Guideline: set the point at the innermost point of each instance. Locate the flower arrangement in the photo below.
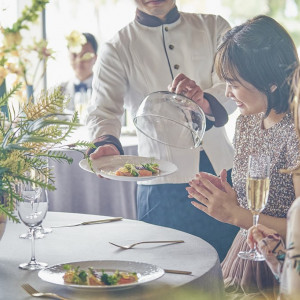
(31, 132)
(28, 140)
(24, 61)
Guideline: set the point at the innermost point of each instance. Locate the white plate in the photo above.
(145, 272)
(107, 165)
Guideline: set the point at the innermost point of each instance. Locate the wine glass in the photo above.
(39, 233)
(32, 211)
(257, 190)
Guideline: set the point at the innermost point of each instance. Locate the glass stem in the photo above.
(32, 232)
(255, 219)
(255, 222)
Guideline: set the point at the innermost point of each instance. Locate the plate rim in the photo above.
(129, 178)
(105, 287)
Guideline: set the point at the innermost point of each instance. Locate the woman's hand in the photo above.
(187, 87)
(215, 196)
(257, 233)
(269, 243)
(217, 181)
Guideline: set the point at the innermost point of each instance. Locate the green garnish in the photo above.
(110, 279)
(131, 169)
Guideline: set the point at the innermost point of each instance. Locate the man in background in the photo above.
(82, 49)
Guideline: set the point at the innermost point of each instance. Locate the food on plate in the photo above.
(75, 275)
(138, 170)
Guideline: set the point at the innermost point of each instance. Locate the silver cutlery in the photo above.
(126, 247)
(89, 222)
(178, 272)
(34, 293)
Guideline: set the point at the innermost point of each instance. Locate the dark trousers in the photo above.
(168, 205)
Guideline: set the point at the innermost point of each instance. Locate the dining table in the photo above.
(90, 243)
(79, 191)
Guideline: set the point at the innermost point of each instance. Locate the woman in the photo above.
(284, 261)
(255, 59)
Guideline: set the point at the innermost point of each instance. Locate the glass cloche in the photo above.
(171, 119)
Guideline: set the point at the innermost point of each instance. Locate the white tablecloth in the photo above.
(79, 191)
(90, 242)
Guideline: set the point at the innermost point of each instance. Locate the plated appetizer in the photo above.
(74, 275)
(138, 170)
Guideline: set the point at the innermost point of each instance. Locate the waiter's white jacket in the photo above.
(137, 62)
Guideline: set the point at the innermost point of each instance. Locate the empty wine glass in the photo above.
(39, 234)
(32, 211)
(257, 189)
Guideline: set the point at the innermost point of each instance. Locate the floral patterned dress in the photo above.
(244, 278)
(290, 276)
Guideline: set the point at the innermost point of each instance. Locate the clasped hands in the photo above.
(214, 196)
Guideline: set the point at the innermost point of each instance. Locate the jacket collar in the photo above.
(152, 21)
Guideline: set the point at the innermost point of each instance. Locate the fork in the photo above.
(34, 293)
(126, 247)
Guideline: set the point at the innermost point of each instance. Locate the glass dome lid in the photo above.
(171, 119)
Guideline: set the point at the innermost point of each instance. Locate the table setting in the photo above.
(174, 259)
(108, 256)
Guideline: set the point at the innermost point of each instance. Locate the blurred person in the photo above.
(144, 57)
(284, 261)
(82, 49)
(255, 59)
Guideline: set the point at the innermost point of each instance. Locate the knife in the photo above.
(89, 222)
(178, 272)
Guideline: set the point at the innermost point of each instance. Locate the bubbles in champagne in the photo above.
(257, 193)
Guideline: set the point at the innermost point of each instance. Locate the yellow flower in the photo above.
(41, 48)
(12, 39)
(87, 56)
(3, 73)
(15, 162)
(75, 40)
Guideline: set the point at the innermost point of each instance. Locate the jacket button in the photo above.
(176, 67)
(171, 47)
(166, 28)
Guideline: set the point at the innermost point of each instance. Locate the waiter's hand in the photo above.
(187, 87)
(104, 150)
(108, 149)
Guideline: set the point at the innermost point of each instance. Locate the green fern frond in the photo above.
(10, 214)
(4, 99)
(60, 156)
(37, 182)
(81, 144)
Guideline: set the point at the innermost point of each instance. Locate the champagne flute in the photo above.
(257, 190)
(32, 211)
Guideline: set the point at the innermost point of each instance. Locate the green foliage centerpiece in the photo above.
(28, 139)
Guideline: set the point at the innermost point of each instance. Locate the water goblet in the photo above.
(40, 233)
(32, 210)
(257, 190)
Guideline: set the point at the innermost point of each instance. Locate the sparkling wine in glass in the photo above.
(32, 211)
(257, 189)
